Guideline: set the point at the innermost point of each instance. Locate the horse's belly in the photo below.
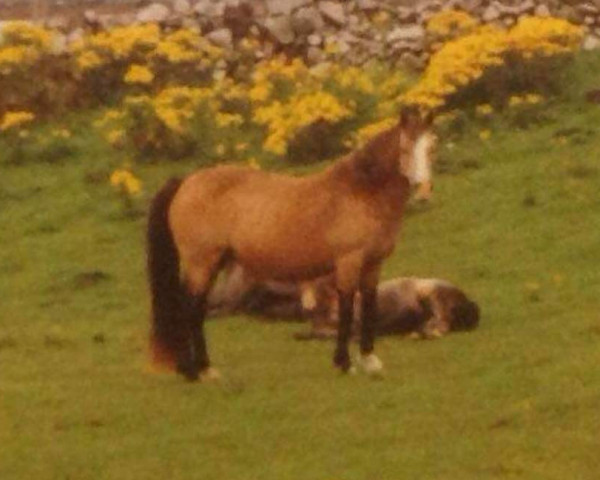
(290, 257)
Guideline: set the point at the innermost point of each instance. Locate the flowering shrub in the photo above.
(142, 55)
(492, 63)
(28, 51)
(312, 112)
(176, 122)
(170, 95)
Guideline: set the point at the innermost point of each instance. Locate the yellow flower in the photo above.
(533, 98)
(26, 33)
(13, 57)
(62, 133)
(15, 119)
(260, 92)
(220, 149)
(484, 110)
(224, 120)
(88, 60)
(515, 101)
(125, 181)
(115, 137)
(139, 74)
(253, 163)
(485, 134)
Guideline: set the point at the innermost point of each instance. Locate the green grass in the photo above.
(515, 222)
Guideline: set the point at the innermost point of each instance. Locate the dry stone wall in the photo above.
(360, 30)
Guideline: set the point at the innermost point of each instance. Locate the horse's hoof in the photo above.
(371, 364)
(436, 333)
(210, 374)
(341, 360)
(349, 370)
(190, 373)
(433, 334)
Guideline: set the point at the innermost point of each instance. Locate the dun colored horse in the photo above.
(341, 221)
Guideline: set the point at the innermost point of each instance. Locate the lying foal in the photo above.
(426, 308)
(423, 307)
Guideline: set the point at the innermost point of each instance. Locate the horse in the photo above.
(342, 220)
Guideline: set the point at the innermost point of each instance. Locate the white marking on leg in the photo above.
(371, 364)
(308, 297)
(210, 374)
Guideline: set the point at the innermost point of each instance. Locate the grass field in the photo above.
(515, 221)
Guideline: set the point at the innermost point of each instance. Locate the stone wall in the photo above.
(390, 30)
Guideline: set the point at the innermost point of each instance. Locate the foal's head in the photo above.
(417, 144)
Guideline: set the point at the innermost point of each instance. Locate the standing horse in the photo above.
(342, 221)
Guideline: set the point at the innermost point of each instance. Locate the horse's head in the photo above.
(417, 150)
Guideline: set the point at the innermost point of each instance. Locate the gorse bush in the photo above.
(30, 52)
(116, 61)
(490, 64)
(173, 94)
(281, 108)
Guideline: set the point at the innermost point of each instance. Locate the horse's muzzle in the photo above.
(423, 191)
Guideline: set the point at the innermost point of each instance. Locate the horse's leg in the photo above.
(199, 278)
(341, 358)
(347, 275)
(369, 315)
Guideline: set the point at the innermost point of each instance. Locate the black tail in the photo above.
(169, 330)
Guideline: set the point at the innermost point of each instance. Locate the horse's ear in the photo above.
(409, 116)
(404, 116)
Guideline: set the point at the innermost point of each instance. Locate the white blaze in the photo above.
(421, 168)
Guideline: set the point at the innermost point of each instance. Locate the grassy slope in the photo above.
(516, 399)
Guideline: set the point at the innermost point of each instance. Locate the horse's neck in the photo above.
(389, 185)
(387, 196)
